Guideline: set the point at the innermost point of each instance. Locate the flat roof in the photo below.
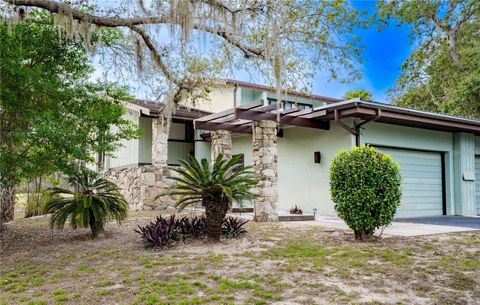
(239, 119)
(154, 109)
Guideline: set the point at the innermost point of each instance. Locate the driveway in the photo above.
(406, 227)
(454, 221)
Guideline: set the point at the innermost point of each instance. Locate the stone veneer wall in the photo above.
(265, 158)
(140, 184)
(221, 144)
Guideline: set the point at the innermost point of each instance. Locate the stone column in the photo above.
(159, 142)
(265, 157)
(221, 143)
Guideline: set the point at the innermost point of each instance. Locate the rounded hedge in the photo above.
(365, 187)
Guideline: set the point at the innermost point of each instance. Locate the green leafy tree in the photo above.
(365, 187)
(51, 116)
(443, 71)
(214, 186)
(362, 94)
(94, 201)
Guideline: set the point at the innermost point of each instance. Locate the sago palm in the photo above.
(94, 200)
(214, 186)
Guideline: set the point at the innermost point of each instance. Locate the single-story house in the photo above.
(439, 155)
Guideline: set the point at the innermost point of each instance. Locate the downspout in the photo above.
(356, 129)
(235, 96)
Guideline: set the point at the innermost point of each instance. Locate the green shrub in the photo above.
(36, 205)
(90, 202)
(365, 187)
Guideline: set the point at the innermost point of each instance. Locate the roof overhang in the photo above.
(239, 119)
(155, 109)
(396, 115)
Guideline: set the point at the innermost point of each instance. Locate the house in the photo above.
(140, 166)
(291, 148)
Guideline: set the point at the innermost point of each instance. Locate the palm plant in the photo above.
(93, 201)
(214, 186)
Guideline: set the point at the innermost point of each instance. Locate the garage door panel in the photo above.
(420, 169)
(422, 185)
(425, 200)
(417, 213)
(421, 190)
(416, 159)
(412, 181)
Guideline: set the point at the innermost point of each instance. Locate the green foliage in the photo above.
(93, 202)
(365, 187)
(167, 231)
(443, 71)
(362, 94)
(36, 205)
(233, 227)
(214, 186)
(199, 181)
(50, 113)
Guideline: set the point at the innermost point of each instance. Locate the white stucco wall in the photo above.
(306, 184)
(221, 98)
(300, 181)
(128, 153)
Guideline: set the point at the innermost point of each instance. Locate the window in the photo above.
(286, 105)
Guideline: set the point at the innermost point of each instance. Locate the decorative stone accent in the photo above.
(265, 157)
(141, 184)
(221, 144)
(159, 142)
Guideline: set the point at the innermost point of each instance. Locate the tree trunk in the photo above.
(452, 42)
(95, 226)
(363, 235)
(215, 212)
(7, 204)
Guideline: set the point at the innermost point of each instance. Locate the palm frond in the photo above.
(97, 200)
(197, 179)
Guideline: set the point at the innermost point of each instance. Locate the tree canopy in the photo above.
(362, 94)
(51, 115)
(443, 71)
(286, 40)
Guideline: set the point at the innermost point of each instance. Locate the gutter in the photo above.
(355, 130)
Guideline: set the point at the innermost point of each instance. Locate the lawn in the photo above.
(272, 264)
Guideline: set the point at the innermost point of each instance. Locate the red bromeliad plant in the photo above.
(214, 186)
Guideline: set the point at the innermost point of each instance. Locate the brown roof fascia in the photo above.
(154, 109)
(406, 117)
(291, 93)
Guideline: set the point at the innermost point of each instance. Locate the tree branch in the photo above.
(155, 54)
(62, 8)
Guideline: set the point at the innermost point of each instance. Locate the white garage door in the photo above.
(477, 182)
(422, 186)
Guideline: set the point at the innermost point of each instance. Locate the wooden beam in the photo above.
(228, 112)
(222, 126)
(255, 104)
(302, 112)
(315, 114)
(292, 110)
(300, 121)
(255, 115)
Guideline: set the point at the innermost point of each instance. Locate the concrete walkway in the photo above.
(398, 228)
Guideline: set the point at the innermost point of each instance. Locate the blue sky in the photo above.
(383, 56)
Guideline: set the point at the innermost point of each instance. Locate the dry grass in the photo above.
(272, 264)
